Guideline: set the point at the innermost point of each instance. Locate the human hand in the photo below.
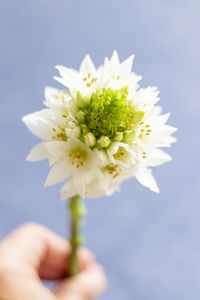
(31, 253)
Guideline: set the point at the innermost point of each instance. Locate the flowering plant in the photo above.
(98, 132)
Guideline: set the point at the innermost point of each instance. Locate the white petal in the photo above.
(50, 93)
(156, 157)
(39, 123)
(87, 67)
(68, 190)
(37, 153)
(115, 58)
(126, 65)
(79, 185)
(70, 78)
(145, 177)
(59, 172)
(57, 148)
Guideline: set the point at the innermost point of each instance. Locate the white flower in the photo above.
(101, 130)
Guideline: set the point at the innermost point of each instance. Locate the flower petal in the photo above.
(39, 123)
(145, 177)
(37, 153)
(126, 66)
(57, 148)
(70, 78)
(68, 190)
(156, 157)
(87, 67)
(59, 172)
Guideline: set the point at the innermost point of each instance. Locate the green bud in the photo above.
(90, 139)
(76, 131)
(129, 137)
(104, 141)
(84, 129)
(80, 116)
(81, 100)
(138, 116)
(118, 137)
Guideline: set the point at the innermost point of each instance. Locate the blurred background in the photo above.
(149, 244)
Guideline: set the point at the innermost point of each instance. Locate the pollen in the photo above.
(59, 134)
(77, 158)
(113, 170)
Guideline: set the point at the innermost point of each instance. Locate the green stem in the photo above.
(77, 210)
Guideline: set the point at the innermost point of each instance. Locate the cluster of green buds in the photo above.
(106, 116)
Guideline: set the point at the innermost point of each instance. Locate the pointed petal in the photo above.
(59, 172)
(39, 123)
(70, 78)
(126, 65)
(87, 67)
(37, 153)
(57, 148)
(156, 157)
(145, 177)
(115, 58)
(50, 93)
(79, 185)
(68, 190)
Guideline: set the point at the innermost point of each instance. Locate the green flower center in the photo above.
(109, 112)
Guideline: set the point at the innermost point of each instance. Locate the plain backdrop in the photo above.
(149, 244)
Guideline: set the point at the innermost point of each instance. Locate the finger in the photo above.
(84, 286)
(50, 270)
(37, 250)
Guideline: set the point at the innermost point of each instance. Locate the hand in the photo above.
(31, 253)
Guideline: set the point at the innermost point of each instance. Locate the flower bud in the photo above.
(80, 116)
(75, 132)
(84, 129)
(90, 139)
(81, 100)
(129, 137)
(104, 141)
(118, 137)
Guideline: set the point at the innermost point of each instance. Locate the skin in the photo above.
(31, 253)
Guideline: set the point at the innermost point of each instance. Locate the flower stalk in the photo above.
(77, 211)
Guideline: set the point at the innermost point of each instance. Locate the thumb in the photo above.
(84, 286)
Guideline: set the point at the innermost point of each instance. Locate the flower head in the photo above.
(100, 130)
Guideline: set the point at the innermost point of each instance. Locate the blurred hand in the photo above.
(32, 253)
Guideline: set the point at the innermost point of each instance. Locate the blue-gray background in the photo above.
(149, 244)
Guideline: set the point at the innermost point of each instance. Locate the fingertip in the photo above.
(88, 284)
(86, 257)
